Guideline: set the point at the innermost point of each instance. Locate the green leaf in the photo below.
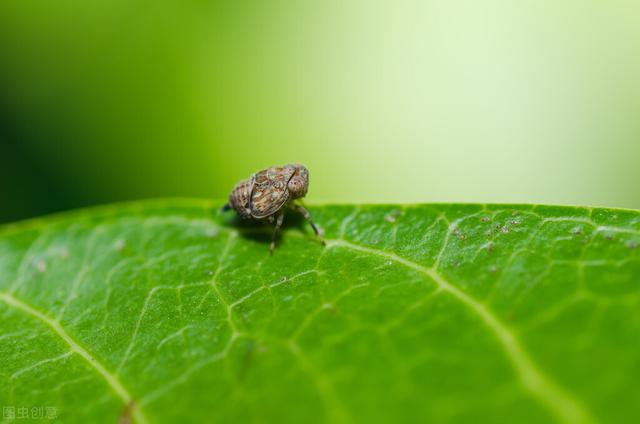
(170, 311)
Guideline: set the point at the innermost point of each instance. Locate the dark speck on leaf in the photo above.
(126, 415)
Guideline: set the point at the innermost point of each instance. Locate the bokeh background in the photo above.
(397, 101)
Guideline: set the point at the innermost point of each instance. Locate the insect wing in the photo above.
(240, 197)
(270, 190)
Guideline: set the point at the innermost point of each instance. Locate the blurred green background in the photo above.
(397, 101)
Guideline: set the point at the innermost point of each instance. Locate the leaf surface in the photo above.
(168, 311)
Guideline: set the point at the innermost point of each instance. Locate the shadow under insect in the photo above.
(261, 231)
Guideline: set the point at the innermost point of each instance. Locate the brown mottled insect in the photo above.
(267, 193)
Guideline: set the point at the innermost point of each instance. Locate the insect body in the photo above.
(267, 193)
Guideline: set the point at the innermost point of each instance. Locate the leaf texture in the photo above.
(169, 311)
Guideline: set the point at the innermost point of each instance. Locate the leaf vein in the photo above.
(75, 347)
(561, 403)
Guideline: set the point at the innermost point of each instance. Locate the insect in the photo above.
(267, 193)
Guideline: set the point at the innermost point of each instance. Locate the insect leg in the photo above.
(279, 220)
(307, 216)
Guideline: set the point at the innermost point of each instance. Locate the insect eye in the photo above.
(297, 186)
